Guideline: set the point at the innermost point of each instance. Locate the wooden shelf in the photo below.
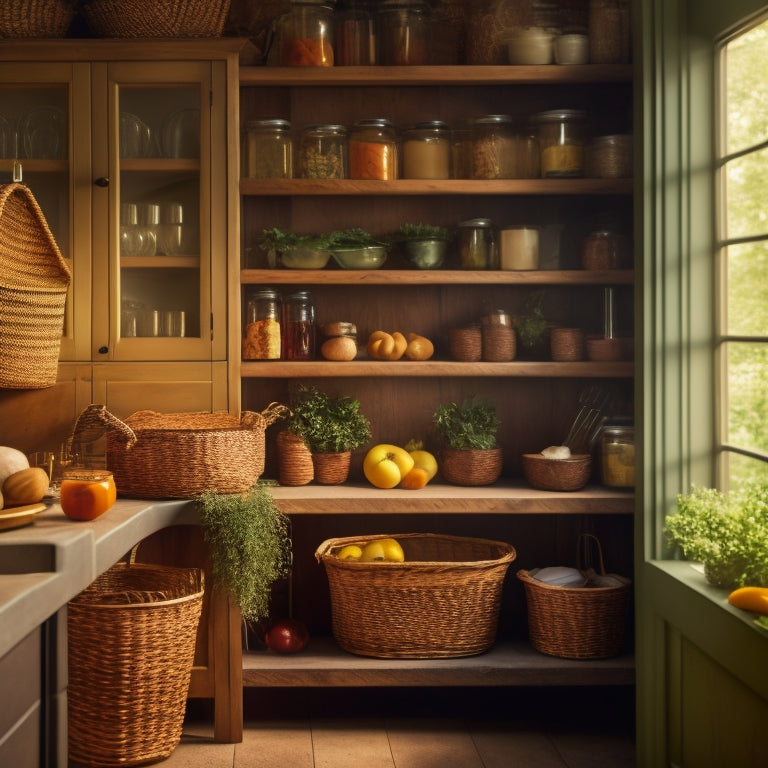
(324, 664)
(398, 277)
(159, 262)
(504, 497)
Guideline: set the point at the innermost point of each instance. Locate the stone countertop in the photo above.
(47, 563)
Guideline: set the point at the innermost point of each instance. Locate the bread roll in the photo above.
(339, 348)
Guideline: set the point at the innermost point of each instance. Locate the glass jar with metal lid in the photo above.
(493, 147)
(355, 34)
(561, 134)
(403, 33)
(617, 450)
(261, 331)
(323, 152)
(303, 36)
(427, 151)
(373, 150)
(268, 150)
(477, 244)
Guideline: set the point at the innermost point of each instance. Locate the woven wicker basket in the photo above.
(547, 474)
(33, 289)
(294, 460)
(331, 468)
(131, 647)
(442, 602)
(577, 622)
(156, 18)
(499, 343)
(468, 468)
(466, 344)
(180, 455)
(36, 18)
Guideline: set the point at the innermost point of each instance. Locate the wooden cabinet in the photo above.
(536, 399)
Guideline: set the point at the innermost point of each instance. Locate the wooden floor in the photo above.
(420, 728)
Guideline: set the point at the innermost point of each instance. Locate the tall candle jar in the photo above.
(323, 152)
(427, 151)
(561, 134)
(373, 150)
(268, 150)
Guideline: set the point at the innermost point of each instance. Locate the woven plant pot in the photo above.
(331, 468)
(466, 344)
(294, 460)
(547, 474)
(499, 343)
(36, 18)
(567, 344)
(477, 467)
(442, 602)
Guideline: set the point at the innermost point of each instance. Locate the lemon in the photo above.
(350, 552)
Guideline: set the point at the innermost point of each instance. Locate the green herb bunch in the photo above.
(728, 532)
(422, 232)
(531, 323)
(328, 424)
(473, 425)
(355, 237)
(250, 546)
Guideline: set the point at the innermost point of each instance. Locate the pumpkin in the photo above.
(27, 486)
(11, 460)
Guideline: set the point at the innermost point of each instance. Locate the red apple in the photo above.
(287, 636)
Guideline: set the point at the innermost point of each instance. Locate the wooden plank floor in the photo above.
(420, 728)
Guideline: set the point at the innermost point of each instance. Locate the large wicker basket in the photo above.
(34, 279)
(577, 622)
(156, 18)
(180, 455)
(36, 18)
(442, 602)
(131, 647)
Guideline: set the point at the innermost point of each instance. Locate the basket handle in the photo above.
(583, 554)
(95, 420)
(272, 413)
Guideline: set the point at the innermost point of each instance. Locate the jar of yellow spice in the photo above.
(561, 134)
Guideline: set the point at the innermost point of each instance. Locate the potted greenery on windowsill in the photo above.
(727, 532)
(471, 454)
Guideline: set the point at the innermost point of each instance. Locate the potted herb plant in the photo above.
(287, 249)
(423, 245)
(250, 546)
(727, 532)
(471, 454)
(531, 326)
(331, 427)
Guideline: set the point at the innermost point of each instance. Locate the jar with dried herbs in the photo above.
(268, 150)
(323, 152)
(493, 147)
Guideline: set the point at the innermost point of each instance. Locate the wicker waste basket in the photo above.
(131, 639)
(442, 602)
(34, 279)
(180, 455)
(577, 622)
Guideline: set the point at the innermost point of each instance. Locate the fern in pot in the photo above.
(331, 427)
(470, 454)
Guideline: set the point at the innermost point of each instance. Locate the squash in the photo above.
(11, 460)
(750, 599)
(27, 486)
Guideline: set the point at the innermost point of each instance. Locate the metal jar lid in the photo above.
(282, 125)
(559, 115)
(477, 223)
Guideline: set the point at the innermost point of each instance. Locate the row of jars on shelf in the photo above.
(322, 33)
(556, 145)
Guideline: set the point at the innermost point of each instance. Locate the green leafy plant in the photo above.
(473, 425)
(352, 238)
(421, 232)
(250, 546)
(728, 532)
(531, 324)
(327, 424)
(278, 241)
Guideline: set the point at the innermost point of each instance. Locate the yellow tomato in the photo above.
(386, 465)
(388, 550)
(426, 461)
(350, 552)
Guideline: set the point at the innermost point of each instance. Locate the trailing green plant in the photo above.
(473, 425)
(728, 532)
(421, 232)
(327, 424)
(250, 546)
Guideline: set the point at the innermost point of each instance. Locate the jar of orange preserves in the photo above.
(87, 493)
(373, 150)
(304, 35)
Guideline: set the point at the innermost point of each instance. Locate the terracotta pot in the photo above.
(331, 468)
(471, 467)
(294, 460)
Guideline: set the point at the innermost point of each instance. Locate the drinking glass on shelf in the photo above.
(170, 231)
(135, 136)
(65, 457)
(131, 236)
(44, 460)
(150, 220)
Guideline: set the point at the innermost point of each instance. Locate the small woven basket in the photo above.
(180, 455)
(331, 468)
(294, 460)
(156, 18)
(547, 474)
(567, 344)
(466, 344)
(36, 18)
(131, 647)
(34, 278)
(442, 602)
(499, 343)
(471, 467)
(577, 622)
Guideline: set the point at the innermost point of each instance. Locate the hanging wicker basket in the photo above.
(131, 647)
(36, 18)
(34, 278)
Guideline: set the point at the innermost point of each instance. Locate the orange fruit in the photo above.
(415, 479)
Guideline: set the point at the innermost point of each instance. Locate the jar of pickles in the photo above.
(617, 448)
(303, 36)
(261, 333)
(404, 33)
(477, 244)
(268, 151)
(427, 151)
(561, 134)
(323, 152)
(373, 150)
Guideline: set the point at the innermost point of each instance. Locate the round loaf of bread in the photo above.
(339, 348)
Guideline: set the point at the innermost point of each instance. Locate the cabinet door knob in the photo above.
(103, 350)
(102, 181)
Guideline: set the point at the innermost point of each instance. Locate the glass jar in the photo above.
(610, 157)
(493, 147)
(403, 33)
(519, 248)
(323, 152)
(268, 150)
(461, 152)
(303, 36)
(355, 35)
(604, 249)
(85, 494)
(373, 150)
(477, 244)
(561, 142)
(617, 450)
(609, 31)
(427, 151)
(261, 334)
(298, 329)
